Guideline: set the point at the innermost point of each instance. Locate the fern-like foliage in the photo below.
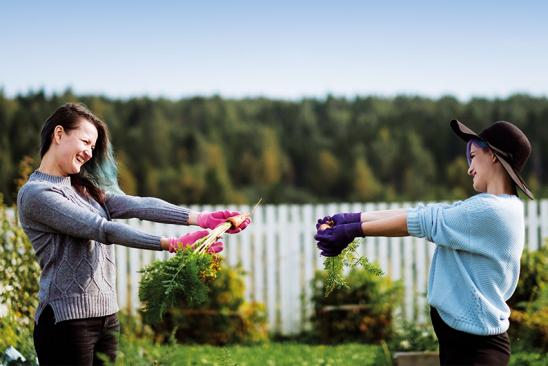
(225, 359)
(185, 276)
(349, 257)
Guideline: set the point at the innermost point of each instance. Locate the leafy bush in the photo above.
(411, 336)
(223, 318)
(527, 359)
(530, 330)
(532, 278)
(18, 337)
(19, 275)
(19, 270)
(529, 317)
(362, 312)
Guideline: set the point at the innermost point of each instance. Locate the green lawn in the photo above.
(142, 352)
(269, 354)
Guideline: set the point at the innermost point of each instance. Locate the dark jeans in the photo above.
(460, 348)
(75, 342)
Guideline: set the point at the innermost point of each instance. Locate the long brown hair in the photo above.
(99, 173)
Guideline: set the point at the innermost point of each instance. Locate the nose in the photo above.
(88, 153)
(470, 171)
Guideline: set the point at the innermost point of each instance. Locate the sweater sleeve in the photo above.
(122, 206)
(454, 226)
(49, 207)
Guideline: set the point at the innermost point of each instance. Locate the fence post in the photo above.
(532, 225)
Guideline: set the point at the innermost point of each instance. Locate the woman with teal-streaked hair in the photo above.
(66, 208)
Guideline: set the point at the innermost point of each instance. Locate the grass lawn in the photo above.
(143, 352)
(268, 354)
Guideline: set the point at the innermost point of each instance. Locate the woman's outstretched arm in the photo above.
(369, 216)
(386, 224)
(121, 206)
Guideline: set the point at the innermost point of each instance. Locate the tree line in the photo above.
(216, 150)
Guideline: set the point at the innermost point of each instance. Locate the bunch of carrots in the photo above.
(349, 257)
(185, 277)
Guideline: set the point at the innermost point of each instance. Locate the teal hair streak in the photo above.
(102, 171)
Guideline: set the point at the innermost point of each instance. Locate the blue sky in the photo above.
(281, 49)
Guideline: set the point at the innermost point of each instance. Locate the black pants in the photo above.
(460, 348)
(75, 342)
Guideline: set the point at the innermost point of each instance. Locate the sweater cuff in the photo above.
(179, 216)
(149, 241)
(413, 223)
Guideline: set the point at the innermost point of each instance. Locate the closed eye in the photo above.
(88, 142)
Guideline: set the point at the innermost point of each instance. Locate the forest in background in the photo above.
(216, 150)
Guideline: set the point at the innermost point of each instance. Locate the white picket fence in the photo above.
(279, 254)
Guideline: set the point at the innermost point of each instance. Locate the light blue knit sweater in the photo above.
(475, 267)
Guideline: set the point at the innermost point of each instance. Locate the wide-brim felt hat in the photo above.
(508, 143)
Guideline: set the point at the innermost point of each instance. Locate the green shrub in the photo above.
(14, 335)
(529, 317)
(224, 318)
(19, 276)
(528, 359)
(19, 270)
(411, 336)
(532, 278)
(530, 330)
(362, 312)
(132, 327)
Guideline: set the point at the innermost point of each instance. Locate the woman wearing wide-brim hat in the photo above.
(479, 241)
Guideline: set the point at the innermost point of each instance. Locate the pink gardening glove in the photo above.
(186, 240)
(190, 238)
(210, 220)
(216, 247)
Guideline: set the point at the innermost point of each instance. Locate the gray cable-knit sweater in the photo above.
(71, 236)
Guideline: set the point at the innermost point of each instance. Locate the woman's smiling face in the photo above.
(481, 166)
(75, 147)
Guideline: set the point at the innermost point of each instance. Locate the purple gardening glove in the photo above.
(347, 217)
(332, 241)
(210, 220)
(340, 218)
(330, 250)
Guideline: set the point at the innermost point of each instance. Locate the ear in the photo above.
(494, 158)
(58, 133)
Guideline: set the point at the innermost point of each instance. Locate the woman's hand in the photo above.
(340, 218)
(210, 220)
(175, 243)
(216, 247)
(332, 241)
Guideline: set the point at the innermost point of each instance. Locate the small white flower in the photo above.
(3, 310)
